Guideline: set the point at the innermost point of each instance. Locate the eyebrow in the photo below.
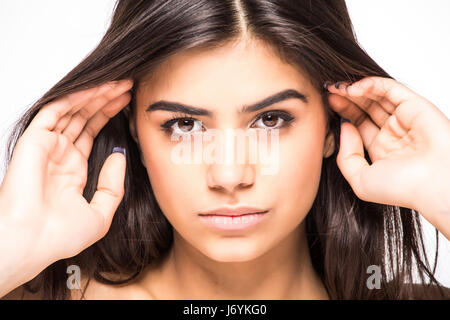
(179, 107)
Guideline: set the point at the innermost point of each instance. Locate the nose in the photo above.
(234, 170)
(230, 177)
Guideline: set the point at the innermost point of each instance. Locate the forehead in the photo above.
(234, 74)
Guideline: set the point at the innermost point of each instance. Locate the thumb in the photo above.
(350, 158)
(110, 187)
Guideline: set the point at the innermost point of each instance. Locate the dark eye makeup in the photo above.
(274, 115)
(269, 117)
(177, 118)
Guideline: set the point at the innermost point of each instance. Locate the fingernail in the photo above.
(121, 150)
(337, 84)
(326, 84)
(344, 120)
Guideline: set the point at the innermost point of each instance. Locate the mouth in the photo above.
(233, 218)
(233, 211)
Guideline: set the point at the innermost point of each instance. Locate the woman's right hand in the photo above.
(43, 214)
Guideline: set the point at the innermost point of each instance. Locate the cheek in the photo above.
(300, 168)
(174, 185)
(297, 182)
(181, 188)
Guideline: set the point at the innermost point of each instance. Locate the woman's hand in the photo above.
(408, 141)
(43, 214)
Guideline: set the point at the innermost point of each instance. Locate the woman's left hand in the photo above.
(408, 141)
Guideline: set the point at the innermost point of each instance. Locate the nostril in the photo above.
(244, 185)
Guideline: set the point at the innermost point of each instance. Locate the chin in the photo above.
(233, 251)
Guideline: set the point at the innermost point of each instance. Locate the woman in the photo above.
(338, 218)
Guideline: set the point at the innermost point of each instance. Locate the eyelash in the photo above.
(285, 116)
(167, 126)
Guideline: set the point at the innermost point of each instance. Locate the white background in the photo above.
(41, 41)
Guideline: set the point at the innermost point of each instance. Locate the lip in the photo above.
(233, 218)
(230, 211)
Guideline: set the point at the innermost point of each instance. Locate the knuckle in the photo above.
(109, 192)
(90, 131)
(83, 114)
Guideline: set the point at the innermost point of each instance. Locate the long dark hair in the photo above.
(345, 234)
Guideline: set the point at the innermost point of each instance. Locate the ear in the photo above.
(329, 145)
(133, 131)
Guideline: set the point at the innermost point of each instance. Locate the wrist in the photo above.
(435, 208)
(19, 257)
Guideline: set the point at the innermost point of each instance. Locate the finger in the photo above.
(361, 91)
(350, 158)
(86, 138)
(67, 118)
(357, 106)
(50, 114)
(379, 88)
(363, 178)
(62, 123)
(346, 109)
(79, 120)
(110, 190)
(410, 106)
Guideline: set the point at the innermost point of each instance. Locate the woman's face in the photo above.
(223, 81)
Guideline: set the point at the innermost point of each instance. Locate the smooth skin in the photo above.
(407, 138)
(269, 260)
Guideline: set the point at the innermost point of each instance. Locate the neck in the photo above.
(284, 272)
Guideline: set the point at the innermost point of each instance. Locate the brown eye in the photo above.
(182, 125)
(270, 120)
(185, 125)
(273, 119)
